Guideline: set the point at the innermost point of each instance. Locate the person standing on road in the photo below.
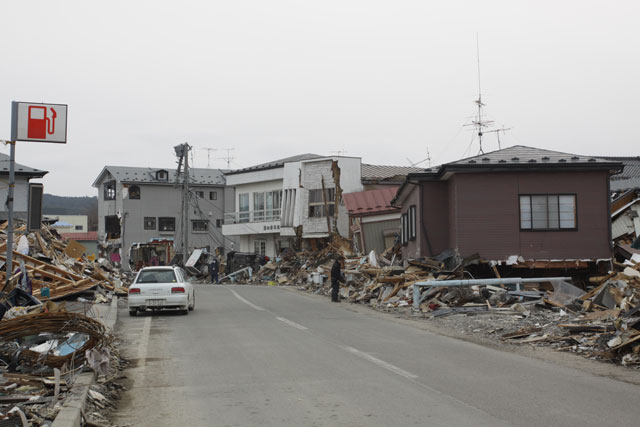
(214, 266)
(336, 278)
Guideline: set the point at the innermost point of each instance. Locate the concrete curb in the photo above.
(70, 414)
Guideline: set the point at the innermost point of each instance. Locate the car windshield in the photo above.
(156, 276)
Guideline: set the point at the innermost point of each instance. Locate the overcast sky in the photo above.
(383, 80)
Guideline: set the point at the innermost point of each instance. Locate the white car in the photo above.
(156, 288)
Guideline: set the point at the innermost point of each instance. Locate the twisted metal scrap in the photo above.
(60, 322)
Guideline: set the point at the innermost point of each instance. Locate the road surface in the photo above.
(268, 356)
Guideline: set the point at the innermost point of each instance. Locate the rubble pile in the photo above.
(57, 268)
(42, 353)
(45, 345)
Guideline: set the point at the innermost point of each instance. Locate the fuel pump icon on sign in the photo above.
(39, 124)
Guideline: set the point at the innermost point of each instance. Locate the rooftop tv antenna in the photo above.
(339, 152)
(228, 157)
(209, 150)
(479, 123)
(428, 160)
(497, 132)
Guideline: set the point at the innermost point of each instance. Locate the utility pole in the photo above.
(185, 208)
(182, 151)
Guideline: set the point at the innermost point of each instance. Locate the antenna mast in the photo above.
(209, 150)
(228, 157)
(479, 123)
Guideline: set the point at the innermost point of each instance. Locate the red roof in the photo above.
(90, 235)
(372, 201)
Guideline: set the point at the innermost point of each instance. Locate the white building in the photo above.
(71, 223)
(23, 176)
(279, 201)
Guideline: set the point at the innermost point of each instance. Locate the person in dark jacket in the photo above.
(336, 278)
(214, 266)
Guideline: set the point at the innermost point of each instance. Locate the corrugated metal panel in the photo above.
(621, 226)
(374, 234)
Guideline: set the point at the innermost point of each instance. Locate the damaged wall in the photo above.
(312, 174)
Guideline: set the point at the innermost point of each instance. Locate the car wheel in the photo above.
(133, 312)
(193, 303)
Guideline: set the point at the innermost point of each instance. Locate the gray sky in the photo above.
(383, 80)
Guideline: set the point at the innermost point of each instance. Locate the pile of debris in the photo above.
(43, 349)
(57, 268)
(45, 345)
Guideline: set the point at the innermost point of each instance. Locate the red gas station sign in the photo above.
(39, 122)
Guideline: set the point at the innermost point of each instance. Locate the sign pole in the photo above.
(9, 205)
(35, 122)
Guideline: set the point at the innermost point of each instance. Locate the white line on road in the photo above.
(381, 363)
(245, 301)
(144, 342)
(292, 323)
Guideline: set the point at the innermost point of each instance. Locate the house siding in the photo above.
(485, 218)
(414, 248)
(373, 234)
(434, 229)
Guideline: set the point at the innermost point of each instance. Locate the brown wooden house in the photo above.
(536, 204)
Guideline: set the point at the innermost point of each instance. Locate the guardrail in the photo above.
(264, 215)
(507, 281)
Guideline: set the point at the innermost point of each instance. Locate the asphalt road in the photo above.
(267, 356)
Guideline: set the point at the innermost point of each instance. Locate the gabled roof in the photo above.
(516, 158)
(370, 202)
(276, 163)
(18, 168)
(384, 172)
(136, 175)
(522, 155)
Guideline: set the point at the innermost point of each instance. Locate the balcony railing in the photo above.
(264, 215)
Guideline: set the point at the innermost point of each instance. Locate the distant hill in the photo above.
(61, 205)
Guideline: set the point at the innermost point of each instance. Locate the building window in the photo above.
(316, 203)
(162, 175)
(112, 226)
(110, 190)
(404, 233)
(548, 212)
(166, 224)
(134, 192)
(218, 223)
(258, 206)
(213, 195)
(200, 194)
(260, 247)
(412, 222)
(78, 228)
(149, 223)
(200, 226)
(243, 207)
